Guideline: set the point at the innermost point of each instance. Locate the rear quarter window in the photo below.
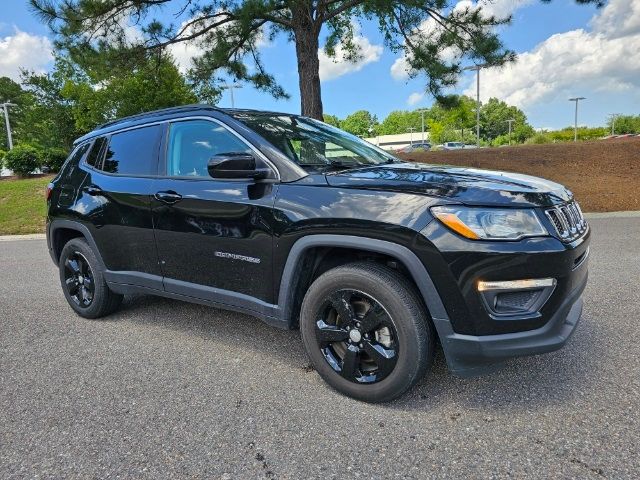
(134, 152)
(94, 158)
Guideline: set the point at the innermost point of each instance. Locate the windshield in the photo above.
(313, 144)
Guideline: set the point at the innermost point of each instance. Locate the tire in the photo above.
(390, 358)
(83, 282)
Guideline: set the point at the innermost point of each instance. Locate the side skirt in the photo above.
(127, 283)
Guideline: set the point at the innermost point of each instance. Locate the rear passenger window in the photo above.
(133, 152)
(95, 153)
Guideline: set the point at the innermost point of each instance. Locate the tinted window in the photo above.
(133, 152)
(193, 143)
(312, 144)
(94, 154)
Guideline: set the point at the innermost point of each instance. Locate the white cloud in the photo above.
(604, 59)
(331, 68)
(502, 8)
(415, 97)
(26, 51)
(400, 69)
(618, 19)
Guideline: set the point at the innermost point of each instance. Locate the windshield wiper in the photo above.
(339, 164)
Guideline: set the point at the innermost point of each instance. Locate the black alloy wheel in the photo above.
(357, 337)
(78, 279)
(366, 331)
(82, 280)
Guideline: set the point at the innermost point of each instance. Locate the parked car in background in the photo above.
(453, 146)
(415, 147)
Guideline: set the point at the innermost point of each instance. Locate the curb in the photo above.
(627, 214)
(15, 238)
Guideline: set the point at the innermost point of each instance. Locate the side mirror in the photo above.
(235, 165)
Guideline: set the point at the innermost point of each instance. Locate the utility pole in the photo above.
(510, 122)
(613, 122)
(575, 126)
(422, 118)
(231, 87)
(5, 106)
(411, 130)
(477, 68)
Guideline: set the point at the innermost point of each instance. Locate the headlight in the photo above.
(490, 223)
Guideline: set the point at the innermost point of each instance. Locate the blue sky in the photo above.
(565, 50)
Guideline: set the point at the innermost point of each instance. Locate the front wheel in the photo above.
(366, 331)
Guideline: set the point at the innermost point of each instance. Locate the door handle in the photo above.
(170, 197)
(93, 190)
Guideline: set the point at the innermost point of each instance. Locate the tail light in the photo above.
(49, 190)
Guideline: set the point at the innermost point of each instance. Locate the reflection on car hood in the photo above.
(467, 185)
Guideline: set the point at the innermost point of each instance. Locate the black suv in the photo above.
(303, 225)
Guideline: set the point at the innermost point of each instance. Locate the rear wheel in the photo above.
(366, 331)
(83, 281)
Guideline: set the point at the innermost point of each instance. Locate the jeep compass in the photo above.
(376, 260)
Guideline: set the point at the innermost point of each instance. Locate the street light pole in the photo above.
(510, 122)
(477, 68)
(231, 87)
(575, 126)
(5, 107)
(422, 118)
(613, 122)
(411, 129)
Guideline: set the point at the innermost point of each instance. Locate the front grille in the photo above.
(568, 221)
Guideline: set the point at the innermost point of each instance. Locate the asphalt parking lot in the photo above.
(165, 389)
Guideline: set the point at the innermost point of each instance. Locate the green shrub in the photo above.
(539, 139)
(54, 158)
(2, 154)
(501, 140)
(23, 160)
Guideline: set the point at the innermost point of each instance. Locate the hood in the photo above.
(459, 184)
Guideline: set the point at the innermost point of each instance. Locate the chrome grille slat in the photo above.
(568, 221)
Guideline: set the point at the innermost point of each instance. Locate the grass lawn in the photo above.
(23, 206)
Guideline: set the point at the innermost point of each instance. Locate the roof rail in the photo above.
(153, 112)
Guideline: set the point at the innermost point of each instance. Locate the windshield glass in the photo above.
(313, 144)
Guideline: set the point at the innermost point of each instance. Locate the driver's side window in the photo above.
(192, 143)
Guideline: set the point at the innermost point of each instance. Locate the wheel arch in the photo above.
(60, 232)
(298, 261)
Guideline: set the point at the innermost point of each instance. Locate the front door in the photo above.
(214, 237)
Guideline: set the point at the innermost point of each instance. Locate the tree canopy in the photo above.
(359, 123)
(435, 38)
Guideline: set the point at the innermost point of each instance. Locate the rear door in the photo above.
(122, 168)
(214, 236)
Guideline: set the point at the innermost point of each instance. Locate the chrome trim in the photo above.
(108, 135)
(567, 220)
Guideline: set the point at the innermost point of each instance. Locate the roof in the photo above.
(167, 113)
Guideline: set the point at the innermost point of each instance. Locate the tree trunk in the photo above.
(307, 34)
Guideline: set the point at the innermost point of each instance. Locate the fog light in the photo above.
(516, 284)
(515, 299)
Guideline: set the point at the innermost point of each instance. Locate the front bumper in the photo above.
(470, 355)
